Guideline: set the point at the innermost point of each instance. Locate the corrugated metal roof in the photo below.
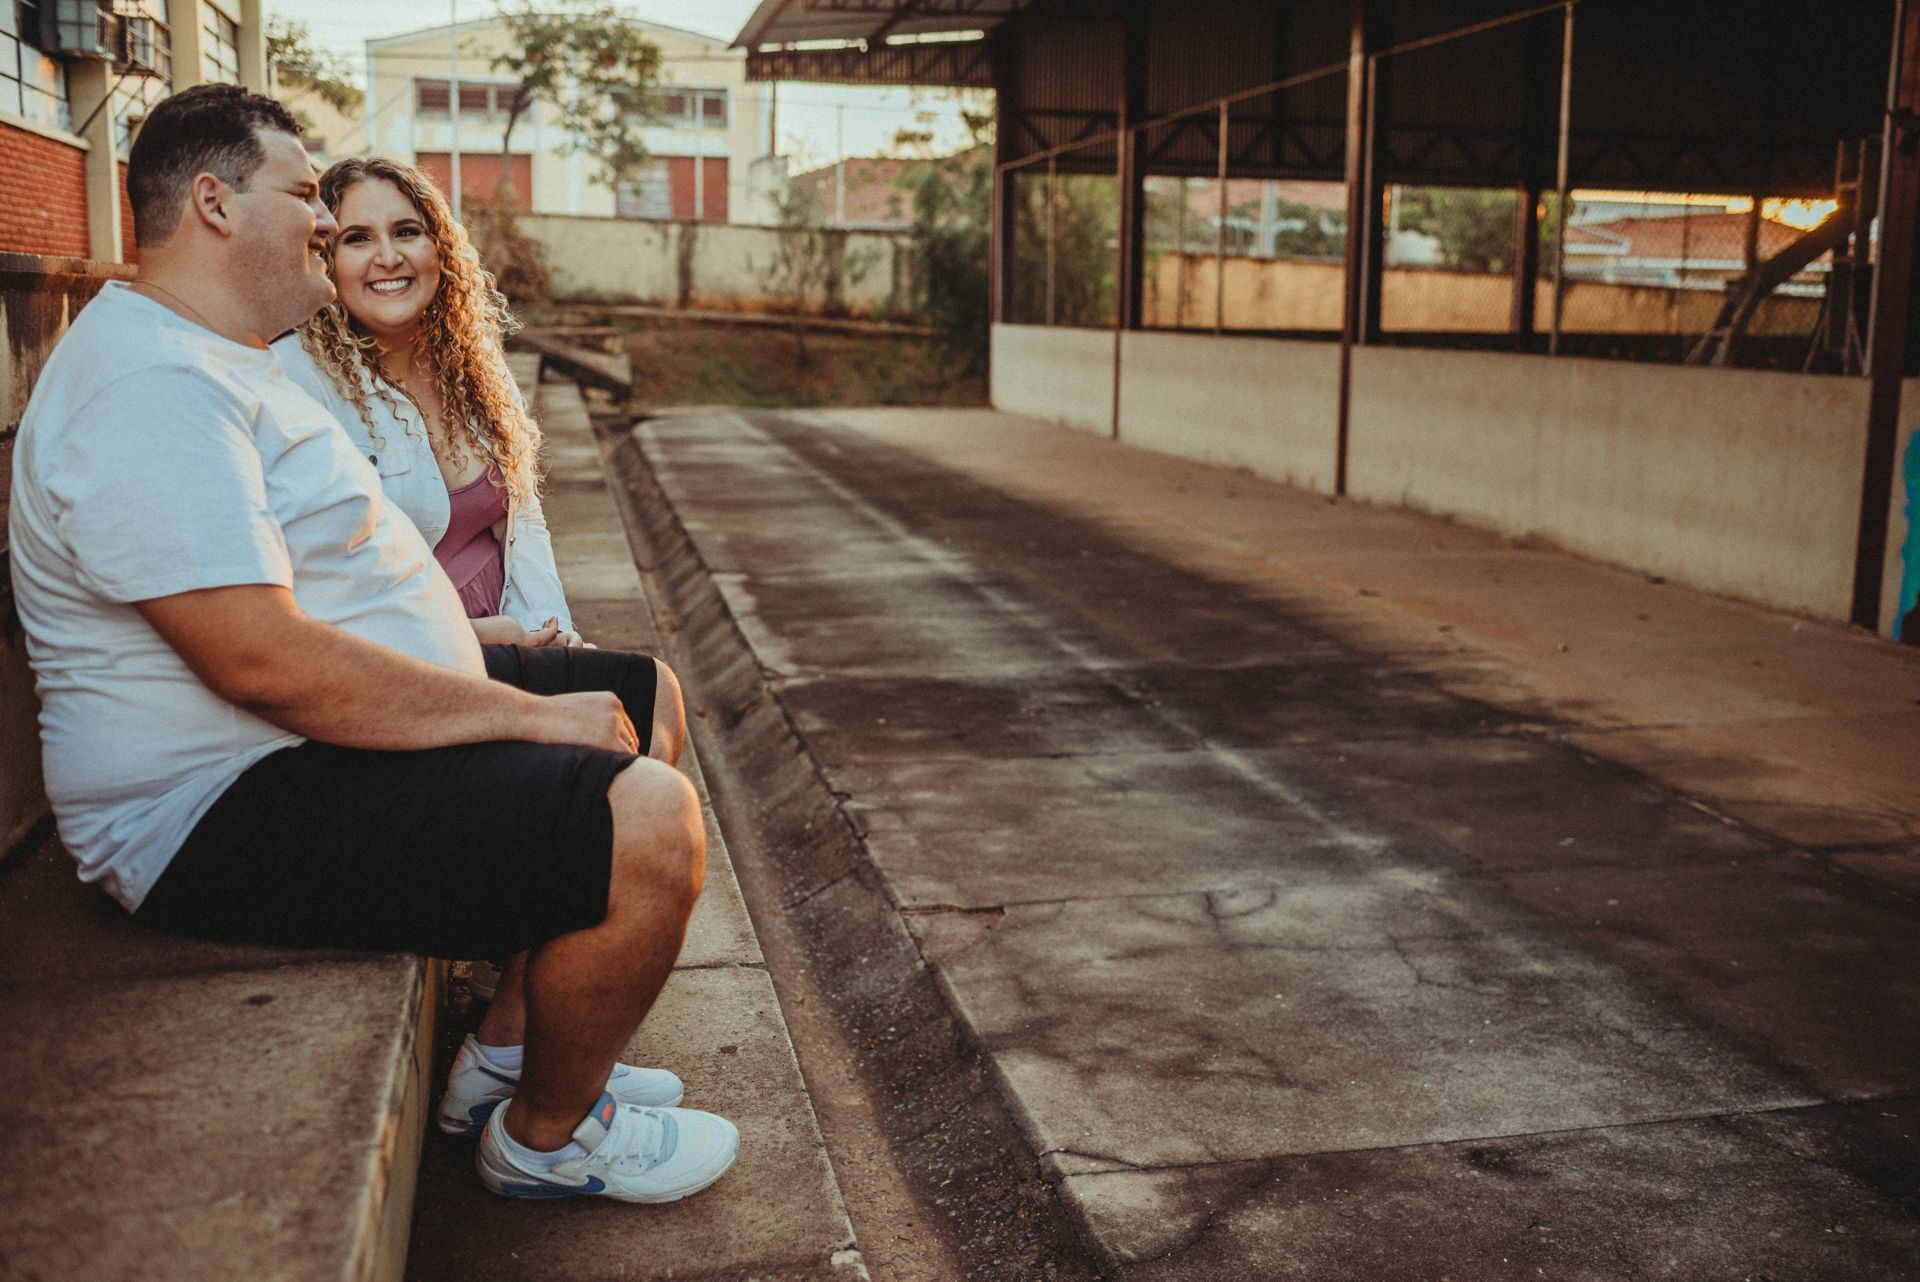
(786, 22)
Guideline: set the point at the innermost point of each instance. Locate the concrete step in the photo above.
(184, 1110)
(779, 1212)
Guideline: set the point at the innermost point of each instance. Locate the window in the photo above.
(31, 85)
(219, 46)
(479, 99)
(706, 108)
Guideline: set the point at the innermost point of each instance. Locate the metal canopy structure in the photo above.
(895, 42)
(1691, 96)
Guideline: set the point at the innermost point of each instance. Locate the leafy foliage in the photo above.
(302, 66)
(949, 290)
(517, 260)
(601, 76)
(1473, 225)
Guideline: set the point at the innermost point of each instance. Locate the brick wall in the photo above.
(128, 254)
(43, 203)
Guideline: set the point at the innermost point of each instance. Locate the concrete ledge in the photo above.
(179, 1109)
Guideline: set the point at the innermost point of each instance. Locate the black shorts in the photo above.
(475, 850)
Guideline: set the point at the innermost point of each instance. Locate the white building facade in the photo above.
(716, 124)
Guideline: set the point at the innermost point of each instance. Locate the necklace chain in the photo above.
(197, 313)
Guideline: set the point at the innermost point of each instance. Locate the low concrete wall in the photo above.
(1053, 372)
(38, 299)
(1737, 481)
(1745, 482)
(1164, 377)
(716, 265)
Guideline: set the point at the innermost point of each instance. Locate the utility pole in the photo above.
(840, 168)
(453, 99)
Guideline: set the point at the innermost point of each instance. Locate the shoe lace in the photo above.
(642, 1136)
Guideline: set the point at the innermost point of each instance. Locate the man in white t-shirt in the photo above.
(264, 714)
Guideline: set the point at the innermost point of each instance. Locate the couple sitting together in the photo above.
(306, 673)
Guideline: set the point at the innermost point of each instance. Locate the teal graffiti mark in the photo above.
(1906, 624)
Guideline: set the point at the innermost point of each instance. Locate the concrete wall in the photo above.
(38, 298)
(1744, 482)
(1278, 293)
(1052, 372)
(1737, 481)
(715, 265)
(1284, 437)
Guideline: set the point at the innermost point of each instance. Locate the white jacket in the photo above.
(411, 480)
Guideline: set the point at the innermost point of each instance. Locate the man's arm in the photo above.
(253, 646)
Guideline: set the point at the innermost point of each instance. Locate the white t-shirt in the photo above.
(156, 458)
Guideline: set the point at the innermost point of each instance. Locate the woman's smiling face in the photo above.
(386, 265)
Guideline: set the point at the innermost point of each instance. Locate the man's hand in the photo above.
(592, 719)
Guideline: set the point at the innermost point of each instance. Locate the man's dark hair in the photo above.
(208, 129)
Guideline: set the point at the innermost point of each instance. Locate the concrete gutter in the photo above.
(779, 1212)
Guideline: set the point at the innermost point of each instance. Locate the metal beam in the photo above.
(961, 64)
(1353, 301)
(1888, 339)
(1561, 181)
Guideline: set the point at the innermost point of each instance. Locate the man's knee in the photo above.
(669, 714)
(659, 837)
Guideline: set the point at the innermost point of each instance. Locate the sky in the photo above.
(817, 123)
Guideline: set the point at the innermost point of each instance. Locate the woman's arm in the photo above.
(533, 594)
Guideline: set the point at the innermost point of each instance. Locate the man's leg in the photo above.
(587, 991)
(547, 671)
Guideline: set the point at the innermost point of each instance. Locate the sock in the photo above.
(508, 1059)
(533, 1158)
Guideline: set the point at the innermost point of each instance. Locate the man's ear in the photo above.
(207, 201)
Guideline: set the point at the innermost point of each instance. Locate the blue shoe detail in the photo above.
(479, 1114)
(594, 1184)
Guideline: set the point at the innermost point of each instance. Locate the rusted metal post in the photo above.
(1000, 235)
(1526, 257)
(1220, 232)
(1353, 305)
(1053, 230)
(1887, 337)
(1562, 203)
(1131, 110)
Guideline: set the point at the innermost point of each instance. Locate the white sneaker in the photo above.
(483, 980)
(632, 1155)
(476, 1088)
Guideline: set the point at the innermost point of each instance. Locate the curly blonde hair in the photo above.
(460, 338)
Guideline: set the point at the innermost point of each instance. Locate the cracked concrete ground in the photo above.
(1340, 894)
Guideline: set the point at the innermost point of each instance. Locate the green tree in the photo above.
(1473, 225)
(601, 76)
(952, 208)
(304, 67)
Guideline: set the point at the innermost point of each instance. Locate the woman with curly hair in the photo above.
(409, 358)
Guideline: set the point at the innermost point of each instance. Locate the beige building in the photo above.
(717, 124)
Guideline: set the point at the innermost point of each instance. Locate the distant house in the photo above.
(867, 193)
(1679, 250)
(716, 123)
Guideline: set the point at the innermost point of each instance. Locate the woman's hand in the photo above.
(498, 629)
(554, 636)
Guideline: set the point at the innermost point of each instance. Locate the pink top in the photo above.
(469, 551)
